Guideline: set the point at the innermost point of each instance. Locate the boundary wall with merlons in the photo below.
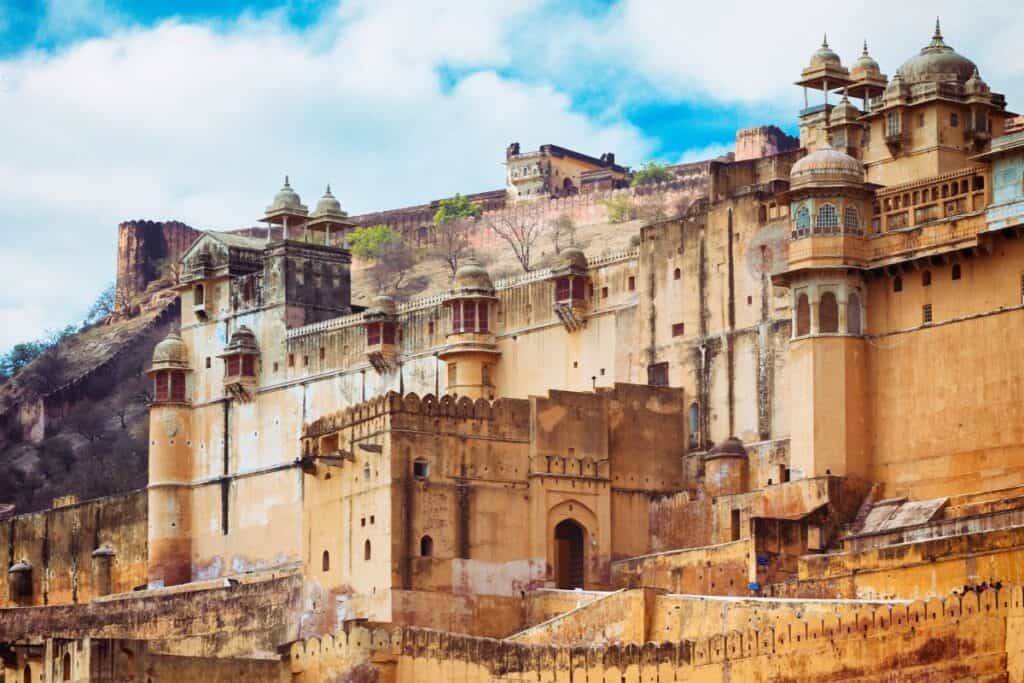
(974, 636)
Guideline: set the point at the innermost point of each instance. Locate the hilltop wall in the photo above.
(141, 245)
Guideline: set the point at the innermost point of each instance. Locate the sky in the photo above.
(194, 110)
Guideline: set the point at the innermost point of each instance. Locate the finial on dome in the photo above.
(328, 188)
(824, 40)
(286, 180)
(938, 29)
(865, 46)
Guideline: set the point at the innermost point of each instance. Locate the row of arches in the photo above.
(828, 317)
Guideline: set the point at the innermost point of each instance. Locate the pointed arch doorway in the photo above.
(569, 551)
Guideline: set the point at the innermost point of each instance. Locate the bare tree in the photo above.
(391, 266)
(520, 229)
(451, 242)
(171, 267)
(563, 232)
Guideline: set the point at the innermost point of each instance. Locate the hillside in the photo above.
(74, 421)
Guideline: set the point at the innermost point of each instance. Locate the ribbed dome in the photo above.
(824, 57)
(471, 275)
(844, 111)
(826, 166)
(286, 198)
(243, 340)
(328, 206)
(937, 63)
(865, 67)
(574, 258)
(382, 305)
(170, 353)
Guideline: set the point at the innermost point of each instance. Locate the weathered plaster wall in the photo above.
(59, 543)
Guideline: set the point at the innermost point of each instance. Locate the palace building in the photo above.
(778, 436)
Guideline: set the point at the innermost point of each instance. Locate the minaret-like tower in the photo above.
(471, 351)
(829, 203)
(170, 466)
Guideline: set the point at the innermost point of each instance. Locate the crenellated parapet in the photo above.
(967, 630)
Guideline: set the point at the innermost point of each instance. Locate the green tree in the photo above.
(372, 241)
(456, 208)
(651, 173)
(621, 208)
(388, 253)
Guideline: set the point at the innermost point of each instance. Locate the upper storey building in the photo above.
(930, 118)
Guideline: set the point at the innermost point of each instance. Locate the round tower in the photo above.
(725, 468)
(829, 205)
(170, 466)
(471, 351)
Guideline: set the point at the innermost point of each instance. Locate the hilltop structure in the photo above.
(779, 438)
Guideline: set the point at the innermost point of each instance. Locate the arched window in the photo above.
(851, 219)
(828, 313)
(802, 221)
(803, 316)
(853, 324)
(828, 218)
(325, 561)
(677, 274)
(426, 547)
(926, 278)
(956, 271)
(366, 550)
(693, 424)
(897, 284)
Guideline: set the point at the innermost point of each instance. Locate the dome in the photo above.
(824, 57)
(243, 340)
(170, 353)
(729, 448)
(937, 63)
(328, 206)
(574, 258)
(865, 68)
(471, 275)
(382, 305)
(286, 199)
(844, 111)
(975, 84)
(826, 166)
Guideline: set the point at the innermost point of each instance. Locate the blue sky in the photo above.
(113, 110)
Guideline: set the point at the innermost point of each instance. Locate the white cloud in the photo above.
(711, 151)
(199, 123)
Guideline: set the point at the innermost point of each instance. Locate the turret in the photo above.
(571, 284)
(471, 351)
(829, 201)
(725, 468)
(170, 466)
(381, 323)
(241, 356)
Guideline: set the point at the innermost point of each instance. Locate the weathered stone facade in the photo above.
(776, 438)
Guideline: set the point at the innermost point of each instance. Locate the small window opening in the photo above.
(291, 360)
(325, 561)
(421, 469)
(207, 361)
(678, 329)
(366, 472)
(631, 283)
(735, 524)
(367, 551)
(926, 278)
(956, 271)
(677, 274)
(803, 316)
(604, 292)
(897, 284)
(926, 313)
(828, 313)
(426, 547)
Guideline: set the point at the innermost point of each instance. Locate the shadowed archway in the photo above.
(569, 549)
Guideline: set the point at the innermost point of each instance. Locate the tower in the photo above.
(170, 466)
(829, 203)
(470, 350)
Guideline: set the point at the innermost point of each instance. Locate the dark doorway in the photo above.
(569, 554)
